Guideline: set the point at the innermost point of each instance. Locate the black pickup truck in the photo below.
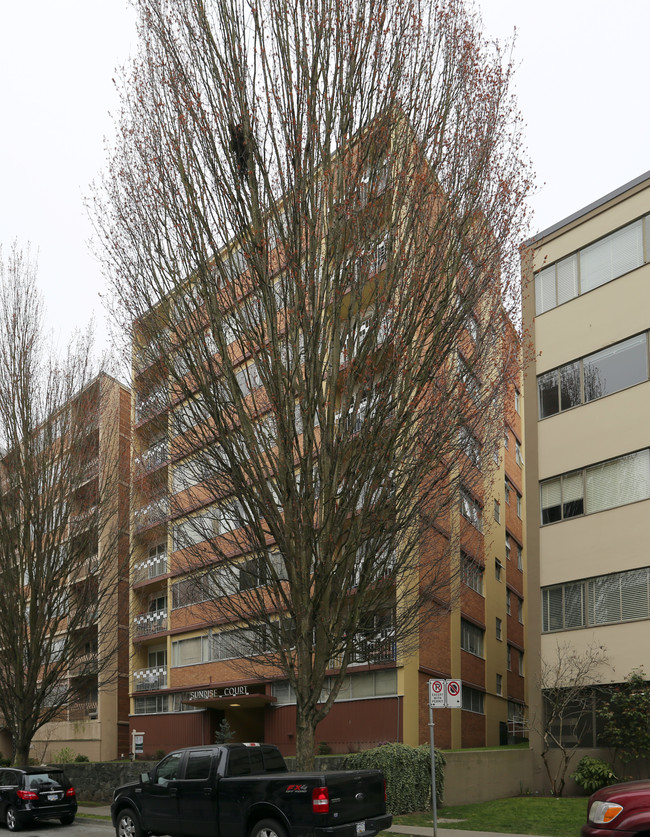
(244, 790)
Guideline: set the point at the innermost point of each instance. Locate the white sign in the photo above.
(454, 689)
(445, 693)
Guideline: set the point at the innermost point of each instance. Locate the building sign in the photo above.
(224, 691)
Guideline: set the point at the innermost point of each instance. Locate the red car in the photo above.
(619, 810)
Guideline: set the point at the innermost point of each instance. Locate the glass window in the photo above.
(198, 764)
(570, 392)
(167, 770)
(498, 628)
(472, 700)
(471, 573)
(551, 492)
(499, 684)
(548, 394)
(616, 367)
(471, 638)
(498, 568)
(545, 294)
(567, 279)
(618, 482)
(610, 257)
(497, 511)
(572, 495)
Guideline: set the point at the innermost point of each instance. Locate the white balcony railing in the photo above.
(149, 679)
(151, 568)
(153, 512)
(150, 623)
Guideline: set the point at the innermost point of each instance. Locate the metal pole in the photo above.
(433, 768)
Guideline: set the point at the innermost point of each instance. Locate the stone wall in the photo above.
(96, 781)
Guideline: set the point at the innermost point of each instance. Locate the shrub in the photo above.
(408, 774)
(159, 755)
(80, 757)
(64, 756)
(324, 749)
(592, 774)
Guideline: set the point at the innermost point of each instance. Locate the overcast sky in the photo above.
(581, 70)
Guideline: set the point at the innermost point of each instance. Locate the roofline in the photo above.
(587, 209)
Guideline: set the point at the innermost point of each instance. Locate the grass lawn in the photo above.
(544, 816)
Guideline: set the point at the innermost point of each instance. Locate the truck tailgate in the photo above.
(355, 795)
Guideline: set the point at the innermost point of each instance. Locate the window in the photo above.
(509, 659)
(198, 764)
(594, 376)
(517, 401)
(518, 504)
(498, 569)
(508, 547)
(499, 627)
(505, 440)
(467, 378)
(497, 511)
(520, 558)
(508, 602)
(499, 684)
(473, 700)
(520, 610)
(518, 456)
(471, 573)
(521, 664)
(471, 638)
(600, 262)
(507, 492)
(607, 485)
(470, 447)
(471, 509)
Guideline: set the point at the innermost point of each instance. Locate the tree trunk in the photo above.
(305, 734)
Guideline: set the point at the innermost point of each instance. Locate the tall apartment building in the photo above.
(587, 309)
(96, 723)
(187, 668)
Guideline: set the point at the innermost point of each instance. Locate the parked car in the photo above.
(28, 794)
(618, 810)
(244, 790)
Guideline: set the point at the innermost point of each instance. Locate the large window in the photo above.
(616, 482)
(600, 262)
(471, 509)
(473, 700)
(471, 638)
(594, 376)
(471, 573)
(619, 597)
(379, 683)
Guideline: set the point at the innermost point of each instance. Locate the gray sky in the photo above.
(581, 70)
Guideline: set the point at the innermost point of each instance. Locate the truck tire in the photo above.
(127, 824)
(268, 828)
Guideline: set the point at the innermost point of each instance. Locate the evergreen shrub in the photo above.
(407, 771)
(593, 774)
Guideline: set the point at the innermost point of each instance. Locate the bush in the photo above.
(592, 774)
(4, 762)
(64, 756)
(80, 757)
(408, 774)
(159, 755)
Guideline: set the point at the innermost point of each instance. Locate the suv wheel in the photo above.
(127, 825)
(11, 819)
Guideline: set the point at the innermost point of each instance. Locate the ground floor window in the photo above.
(380, 683)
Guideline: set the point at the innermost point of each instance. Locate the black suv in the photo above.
(35, 793)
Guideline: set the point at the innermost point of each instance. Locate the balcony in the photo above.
(154, 512)
(152, 458)
(150, 679)
(85, 710)
(85, 665)
(151, 403)
(152, 622)
(149, 569)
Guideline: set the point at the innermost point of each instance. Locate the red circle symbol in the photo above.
(436, 686)
(453, 688)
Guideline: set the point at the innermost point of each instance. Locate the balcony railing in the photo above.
(84, 665)
(150, 623)
(155, 401)
(83, 711)
(149, 679)
(151, 568)
(153, 512)
(152, 458)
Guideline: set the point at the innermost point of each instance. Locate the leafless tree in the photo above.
(567, 680)
(58, 518)
(308, 222)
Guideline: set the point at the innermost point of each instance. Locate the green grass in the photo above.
(544, 816)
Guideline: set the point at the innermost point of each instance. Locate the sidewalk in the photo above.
(422, 831)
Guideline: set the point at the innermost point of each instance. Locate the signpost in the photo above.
(442, 693)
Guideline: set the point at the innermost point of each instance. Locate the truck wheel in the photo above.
(127, 824)
(268, 828)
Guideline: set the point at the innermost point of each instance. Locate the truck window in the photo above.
(168, 769)
(198, 764)
(273, 761)
(256, 760)
(238, 763)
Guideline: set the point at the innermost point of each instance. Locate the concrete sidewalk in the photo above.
(427, 831)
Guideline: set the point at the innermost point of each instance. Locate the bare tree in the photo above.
(308, 223)
(59, 518)
(567, 680)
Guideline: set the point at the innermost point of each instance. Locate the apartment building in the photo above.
(94, 602)
(587, 309)
(188, 671)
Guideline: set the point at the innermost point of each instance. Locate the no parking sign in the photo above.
(445, 693)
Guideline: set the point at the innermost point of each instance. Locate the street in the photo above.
(79, 828)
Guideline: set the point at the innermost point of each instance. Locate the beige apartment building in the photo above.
(587, 313)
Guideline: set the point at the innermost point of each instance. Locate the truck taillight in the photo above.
(320, 801)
